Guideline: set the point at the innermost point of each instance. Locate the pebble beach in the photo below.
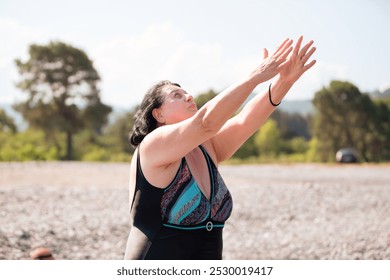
(294, 211)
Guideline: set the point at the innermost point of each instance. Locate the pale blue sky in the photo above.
(200, 44)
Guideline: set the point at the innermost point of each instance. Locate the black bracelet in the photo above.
(269, 96)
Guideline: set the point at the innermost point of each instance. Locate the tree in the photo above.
(268, 139)
(203, 98)
(380, 148)
(292, 125)
(119, 131)
(248, 149)
(347, 118)
(61, 84)
(6, 122)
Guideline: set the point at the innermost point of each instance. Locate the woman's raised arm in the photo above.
(169, 143)
(238, 129)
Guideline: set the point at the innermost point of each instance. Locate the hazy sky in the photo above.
(200, 44)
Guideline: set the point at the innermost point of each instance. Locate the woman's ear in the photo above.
(158, 116)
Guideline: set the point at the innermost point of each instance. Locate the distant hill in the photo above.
(380, 94)
(303, 107)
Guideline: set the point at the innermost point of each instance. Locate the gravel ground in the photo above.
(304, 211)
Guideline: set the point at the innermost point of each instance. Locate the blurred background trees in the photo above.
(347, 118)
(6, 122)
(66, 119)
(62, 94)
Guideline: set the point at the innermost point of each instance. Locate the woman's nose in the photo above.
(189, 98)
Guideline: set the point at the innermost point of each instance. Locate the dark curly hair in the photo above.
(144, 122)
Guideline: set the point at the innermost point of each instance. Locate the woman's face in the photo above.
(177, 106)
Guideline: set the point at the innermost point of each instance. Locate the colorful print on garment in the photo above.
(183, 203)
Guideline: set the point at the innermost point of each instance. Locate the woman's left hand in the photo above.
(298, 62)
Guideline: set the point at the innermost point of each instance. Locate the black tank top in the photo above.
(181, 205)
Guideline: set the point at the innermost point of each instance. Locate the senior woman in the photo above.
(178, 200)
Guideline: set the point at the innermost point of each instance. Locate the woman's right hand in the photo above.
(272, 65)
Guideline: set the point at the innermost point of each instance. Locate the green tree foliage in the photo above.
(298, 145)
(347, 118)
(312, 154)
(6, 122)
(118, 132)
(268, 139)
(380, 148)
(61, 84)
(292, 125)
(248, 149)
(25, 146)
(111, 145)
(203, 98)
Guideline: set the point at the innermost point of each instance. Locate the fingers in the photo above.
(282, 52)
(286, 43)
(297, 63)
(284, 48)
(310, 65)
(303, 54)
(285, 54)
(298, 45)
(306, 57)
(303, 51)
(265, 53)
(284, 64)
(288, 60)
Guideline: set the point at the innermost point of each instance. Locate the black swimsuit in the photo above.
(179, 222)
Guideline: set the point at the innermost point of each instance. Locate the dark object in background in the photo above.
(347, 155)
(41, 253)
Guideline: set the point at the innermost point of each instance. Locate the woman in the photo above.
(179, 202)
